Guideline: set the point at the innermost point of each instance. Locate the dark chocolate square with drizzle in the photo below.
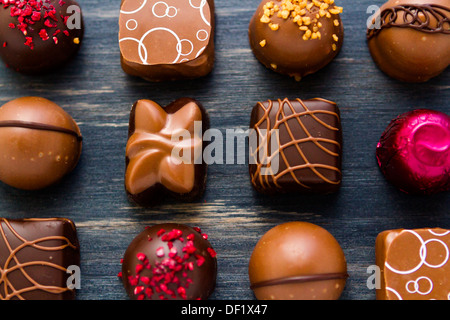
(35, 255)
(295, 146)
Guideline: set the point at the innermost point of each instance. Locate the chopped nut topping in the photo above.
(263, 43)
(274, 26)
(297, 10)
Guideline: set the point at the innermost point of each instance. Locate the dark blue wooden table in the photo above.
(95, 91)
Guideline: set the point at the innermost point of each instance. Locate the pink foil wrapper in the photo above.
(414, 152)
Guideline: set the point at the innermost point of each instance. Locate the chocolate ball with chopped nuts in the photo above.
(296, 37)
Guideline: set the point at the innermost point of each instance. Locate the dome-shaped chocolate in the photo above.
(410, 40)
(169, 261)
(39, 36)
(296, 37)
(40, 143)
(297, 261)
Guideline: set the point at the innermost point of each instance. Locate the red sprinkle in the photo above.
(29, 42)
(43, 34)
(160, 252)
(28, 12)
(211, 252)
(141, 256)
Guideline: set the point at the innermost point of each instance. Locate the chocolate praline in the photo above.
(414, 152)
(414, 264)
(303, 142)
(169, 262)
(35, 256)
(40, 143)
(39, 36)
(407, 29)
(297, 261)
(297, 37)
(164, 152)
(167, 40)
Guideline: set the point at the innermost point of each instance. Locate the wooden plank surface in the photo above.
(95, 91)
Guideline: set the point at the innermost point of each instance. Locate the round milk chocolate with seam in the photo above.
(297, 261)
(400, 44)
(297, 37)
(39, 36)
(169, 262)
(40, 143)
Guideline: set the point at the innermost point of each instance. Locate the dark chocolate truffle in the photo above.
(38, 36)
(167, 40)
(414, 264)
(164, 151)
(414, 152)
(410, 40)
(296, 37)
(295, 146)
(40, 143)
(169, 261)
(35, 256)
(297, 261)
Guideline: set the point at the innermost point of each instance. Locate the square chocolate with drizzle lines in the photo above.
(35, 255)
(295, 146)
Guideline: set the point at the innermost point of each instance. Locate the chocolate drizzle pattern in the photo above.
(39, 126)
(270, 125)
(415, 16)
(14, 264)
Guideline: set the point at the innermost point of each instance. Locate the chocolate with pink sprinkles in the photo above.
(38, 36)
(169, 262)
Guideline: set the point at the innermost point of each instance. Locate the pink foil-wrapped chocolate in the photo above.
(414, 152)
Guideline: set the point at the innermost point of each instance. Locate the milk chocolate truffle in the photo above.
(164, 152)
(169, 262)
(410, 39)
(40, 143)
(296, 37)
(38, 36)
(295, 146)
(297, 261)
(414, 264)
(167, 40)
(35, 256)
(414, 152)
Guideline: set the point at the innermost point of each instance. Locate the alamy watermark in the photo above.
(74, 20)
(263, 147)
(374, 21)
(74, 280)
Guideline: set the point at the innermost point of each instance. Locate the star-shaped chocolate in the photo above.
(164, 151)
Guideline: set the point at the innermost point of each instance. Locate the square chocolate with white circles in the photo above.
(167, 40)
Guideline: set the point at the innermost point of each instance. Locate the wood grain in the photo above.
(95, 91)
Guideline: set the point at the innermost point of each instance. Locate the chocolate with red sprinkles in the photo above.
(38, 36)
(169, 262)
